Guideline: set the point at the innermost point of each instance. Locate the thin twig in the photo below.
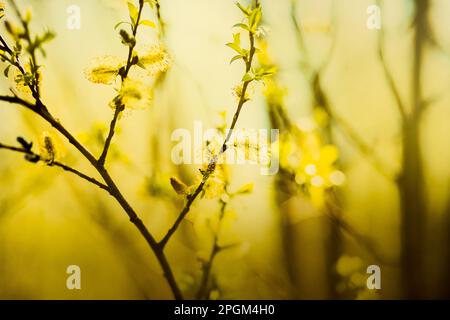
(40, 109)
(56, 164)
(5, 46)
(118, 110)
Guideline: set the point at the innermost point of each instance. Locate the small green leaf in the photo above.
(148, 23)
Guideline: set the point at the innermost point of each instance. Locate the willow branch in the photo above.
(298, 32)
(113, 191)
(207, 266)
(211, 166)
(363, 148)
(56, 164)
(16, 100)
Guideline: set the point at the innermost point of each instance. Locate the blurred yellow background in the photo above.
(50, 219)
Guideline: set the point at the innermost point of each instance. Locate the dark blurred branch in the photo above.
(280, 117)
(411, 179)
(446, 250)
(113, 190)
(135, 261)
(364, 149)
